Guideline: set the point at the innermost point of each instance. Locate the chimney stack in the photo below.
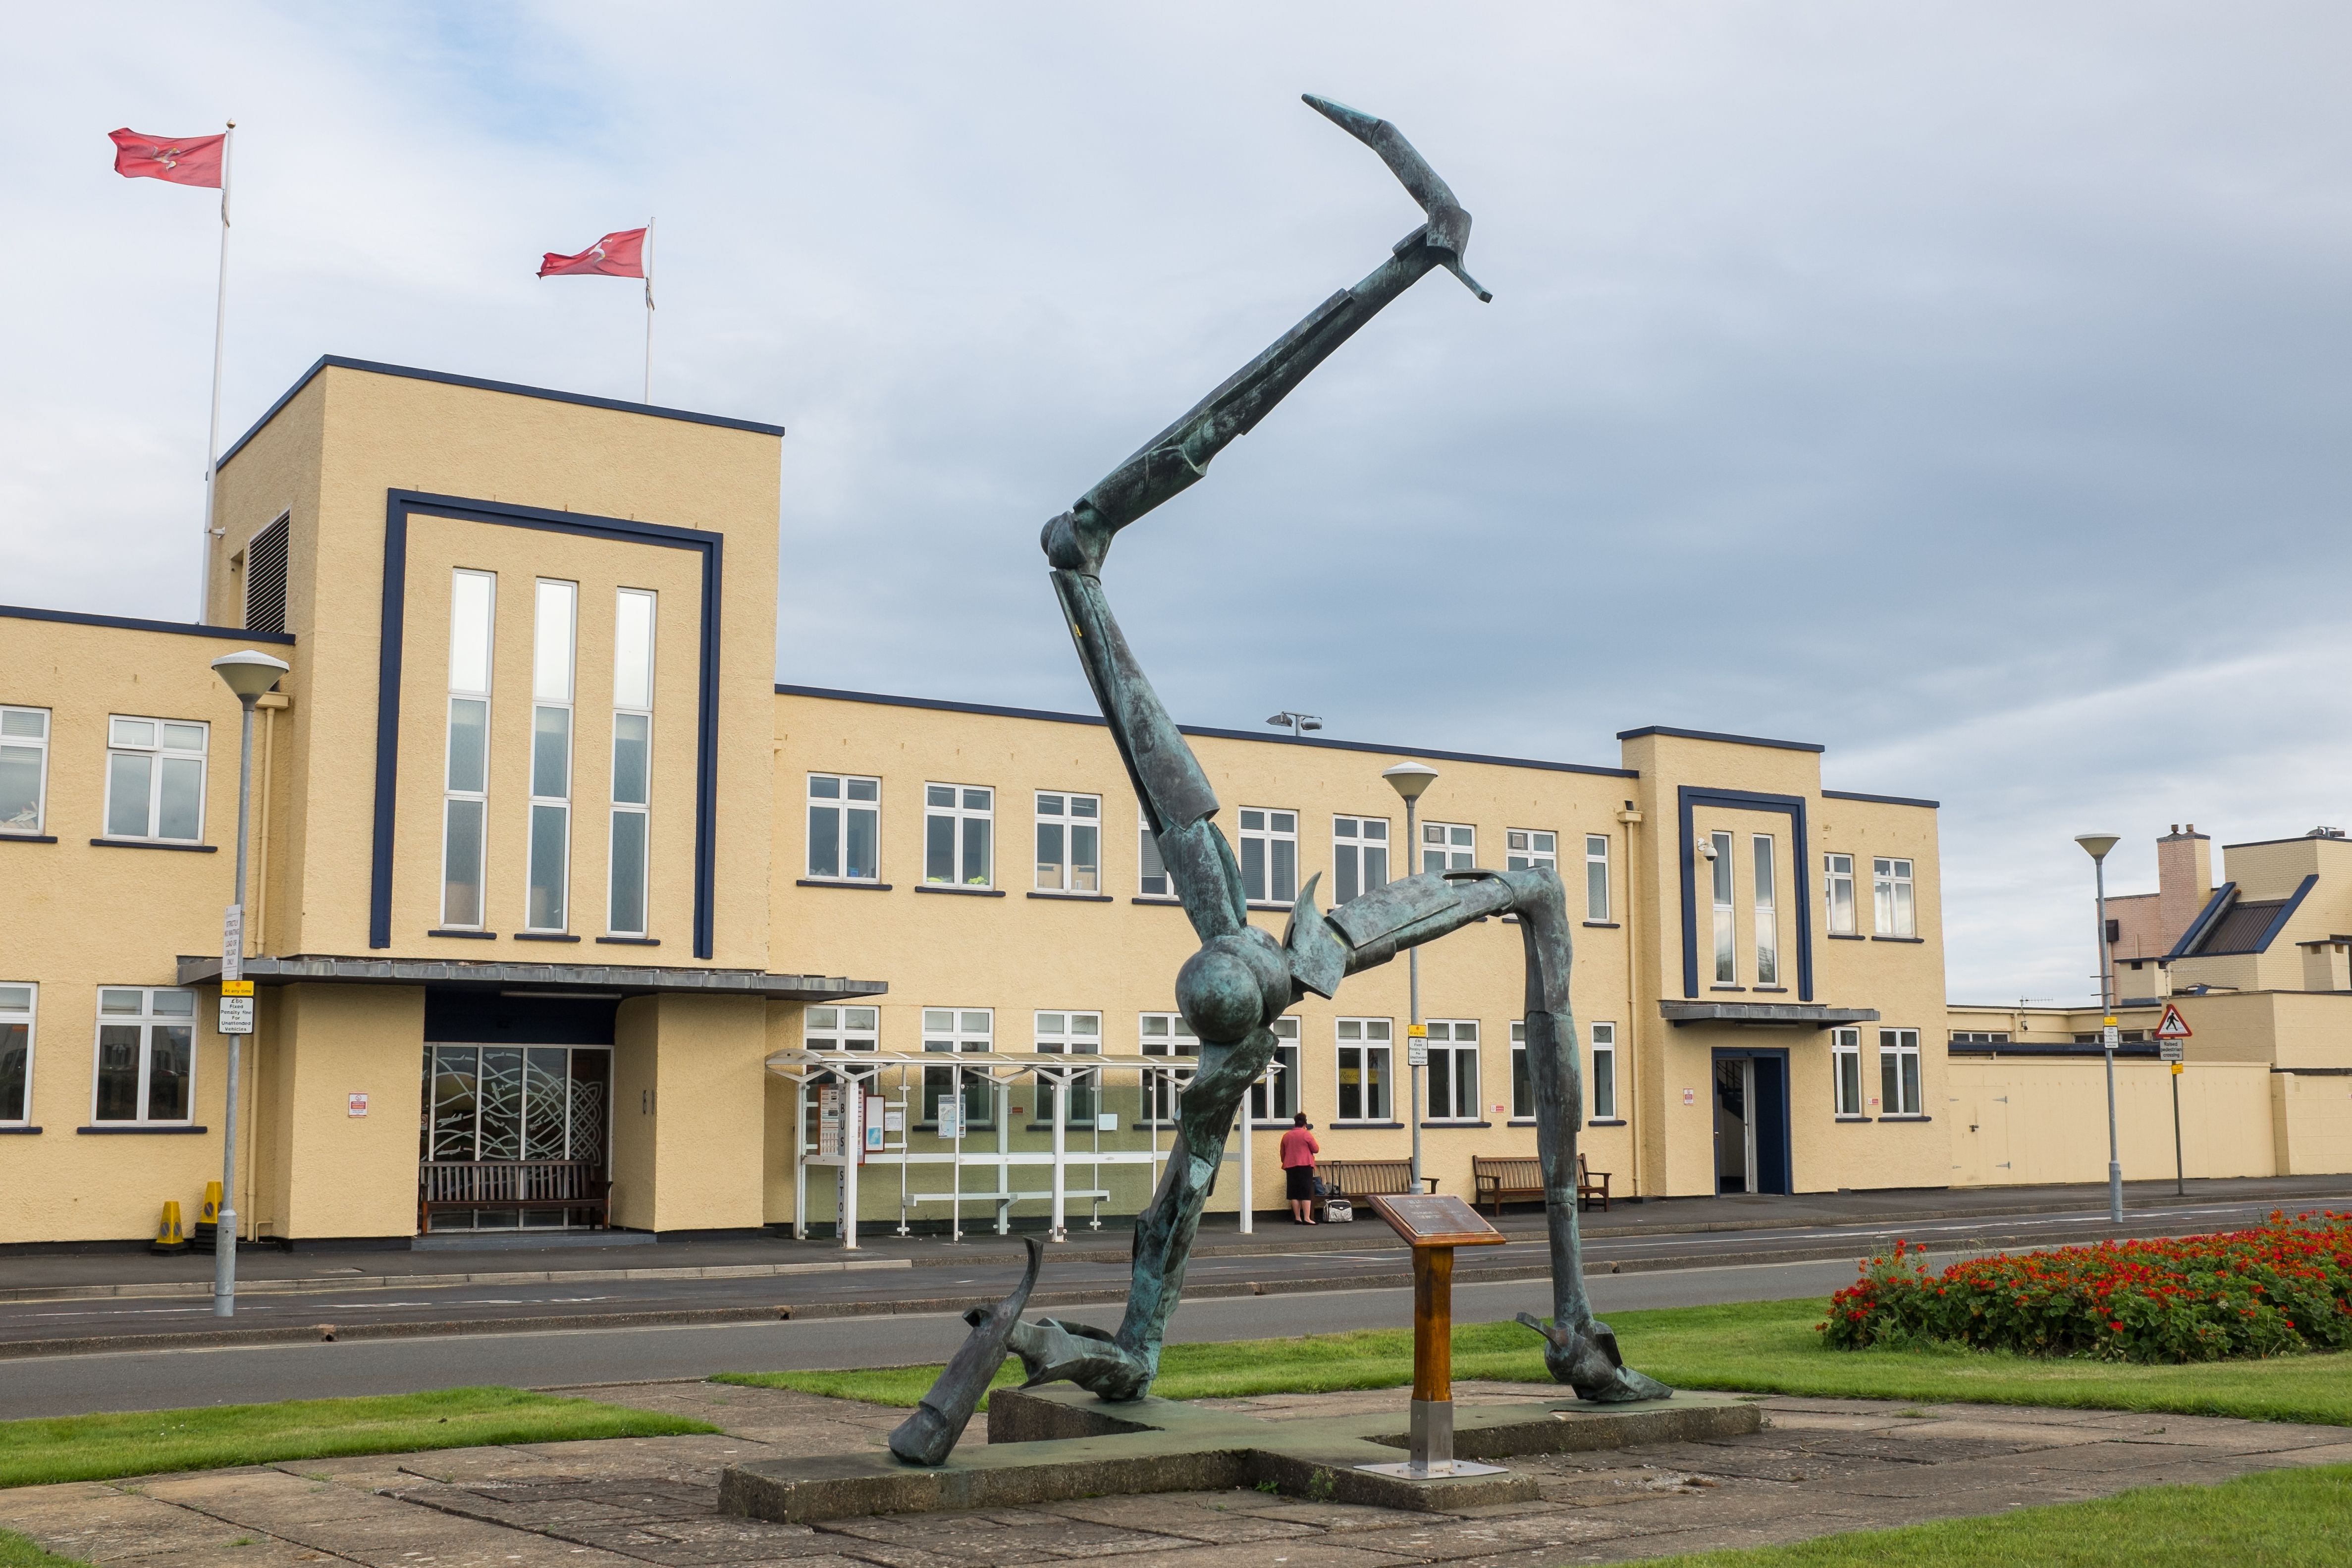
(2184, 879)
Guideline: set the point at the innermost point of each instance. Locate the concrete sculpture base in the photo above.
(1055, 1443)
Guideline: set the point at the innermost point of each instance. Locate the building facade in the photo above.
(558, 899)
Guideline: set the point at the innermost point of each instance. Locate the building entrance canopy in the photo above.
(628, 980)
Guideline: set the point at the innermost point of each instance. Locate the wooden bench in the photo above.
(1368, 1178)
(1506, 1177)
(517, 1184)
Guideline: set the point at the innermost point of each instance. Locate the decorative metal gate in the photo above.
(515, 1136)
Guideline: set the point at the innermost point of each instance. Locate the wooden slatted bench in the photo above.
(517, 1184)
(1502, 1178)
(1368, 1178)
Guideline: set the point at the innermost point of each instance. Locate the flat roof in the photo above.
(1716, 735)
(131, 624)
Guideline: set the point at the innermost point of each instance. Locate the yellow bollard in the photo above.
(167, 1231)
(211, 1212)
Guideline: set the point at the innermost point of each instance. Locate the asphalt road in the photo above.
(152, 1380)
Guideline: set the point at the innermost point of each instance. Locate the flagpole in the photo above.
(212, 442)
(649, 309)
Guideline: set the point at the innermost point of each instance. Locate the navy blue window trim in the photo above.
(1882, 799)
(2286, 913)
(399, 506)
(2212, 912)
(127, 624)
(1714, 735)
(1689, 795)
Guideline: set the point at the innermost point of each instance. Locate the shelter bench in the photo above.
(1506, 1177)
(1368, 1178)
(517, 1184)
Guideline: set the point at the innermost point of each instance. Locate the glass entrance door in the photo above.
(547, 1105)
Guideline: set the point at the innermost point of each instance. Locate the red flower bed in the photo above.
(2283, 1287)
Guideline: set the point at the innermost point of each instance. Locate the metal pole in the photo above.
(224, 1223)
(212, 442)
(648, 253)
(1061, 1082)
(2107, 1039)
(852, 1150)
(800, 1158)
(1412, 988)
(2180, 1176)
(1249, 1190)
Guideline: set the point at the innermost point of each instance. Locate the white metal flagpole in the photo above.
(212, 442)
(649, 309)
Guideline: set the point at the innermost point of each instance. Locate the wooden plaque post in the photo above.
(1433, 1225)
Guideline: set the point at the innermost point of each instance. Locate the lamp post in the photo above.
(248, 674)
(2097, 844)
(1410, 779)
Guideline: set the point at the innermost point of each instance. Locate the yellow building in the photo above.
(557, 899)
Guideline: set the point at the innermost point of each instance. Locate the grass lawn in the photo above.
(2255, 1522)
(15, 1551)
(100, 1448)
(1762, 1347)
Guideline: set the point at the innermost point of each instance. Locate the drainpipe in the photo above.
(1627, 1059)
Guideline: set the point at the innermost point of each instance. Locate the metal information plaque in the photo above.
(1436, 1219)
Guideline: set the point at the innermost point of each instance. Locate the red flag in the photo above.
(184, 160)
(621, 255)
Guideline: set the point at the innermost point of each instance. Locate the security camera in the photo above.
(1706, 849)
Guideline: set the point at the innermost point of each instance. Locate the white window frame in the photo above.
(1066, 821)
(1723, 882)
(1146, 858)
(1448, 846)
(1601, 1107)
(959, 811)
(843, 803)
(1274, 1097)
(479, 798)
(544, 684)
(1837, 878)
(1264, 830)
(1446, 1052)
(959, 1032)
(157, 753)
(1894, 897)
(147, 1021)
(1764, 894)
(1165, 1035)
(841, 1029)
(1845, 1075)
(1372, 1040)
(1895, 1047)
(11, 741)
(1523, 1083)
(1530, 848)
(29, 1017)
(640, 809)
(1352, 849)
(1597, 902)
(1069, 1032)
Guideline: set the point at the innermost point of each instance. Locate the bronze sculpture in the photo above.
(1242, 979)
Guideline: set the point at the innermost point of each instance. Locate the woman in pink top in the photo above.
(1298, 1152)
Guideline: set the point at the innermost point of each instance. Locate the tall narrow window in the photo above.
(1768, 924)
(264, 578)
(1151, 875)
(466, 777)
(1165, 1035)
(1837, 883)
(24, 768)
(1845, 1070)
(1899, 1072)
(959, 1031)
(1269, 855)
(1727, 952)
(1448, 846)
(16, 1052)
(1601, 1093)
(1070, 1035)
(1523, 1086)
(1453, 1070)
(1891, 898)
(1360, 857)
(1274, 1097)
(557, 615)
(1069, 843)
(146, 1055)
(956, 819)
(155, 780)
(633, 759)
(1364, 1047)
(1596, 877)
(845, 829)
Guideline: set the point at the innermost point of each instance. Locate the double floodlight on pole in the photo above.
(1411, 780)
(1295, 722)
(2097, 844)
(248, 673)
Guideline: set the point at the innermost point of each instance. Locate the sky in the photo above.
(1961, 387)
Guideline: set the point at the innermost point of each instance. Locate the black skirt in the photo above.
(1298, 1183)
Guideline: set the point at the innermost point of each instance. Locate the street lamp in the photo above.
(1295, 722)
(1410, 779)
(248, 674)
(2097, 844)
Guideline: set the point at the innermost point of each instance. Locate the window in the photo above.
(1152, 881)
(1071, 1035)
(1269, 855)
(465, 776)
(264, 578)
(24, 768)
(155, 780)
(1526, 850)
(1890, 883)
(16, 1052)
(1453, 1070)
(1523, 1085)
(845, 827)
(1837, 880)
(1274, 1097)
(1845, 1070)
(1165, 1035)
(1360, 857)
(965, 1031)
(1898, 1071)
(146, 1055)
(1768, 925)
(956, 823)
(1603, 1090)
(551, 754)
(1726, 954)
(1982, 1036)
(841, 1029)
(1069, 843)
(1364, 1047)
(632, 753)
(1448, 846)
